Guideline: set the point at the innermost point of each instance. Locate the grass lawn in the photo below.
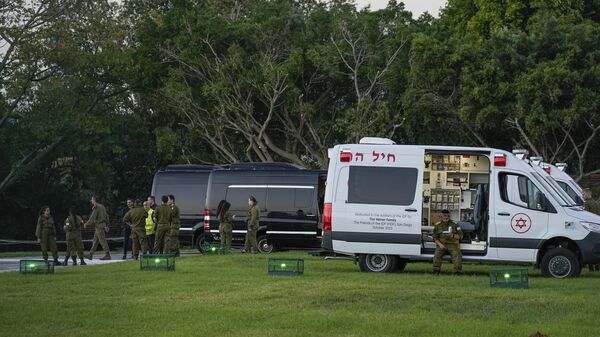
(232, 295)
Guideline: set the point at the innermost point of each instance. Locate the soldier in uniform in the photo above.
(162, 216)
(225, 225)
(447, 235)
(126, 231)
(173, 236)
(98, 218)
(253, 223)
(150, 223)
(136, 218)
(46, 234)
(590, 204)
(72, 229)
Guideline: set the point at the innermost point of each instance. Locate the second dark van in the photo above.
(290, 200)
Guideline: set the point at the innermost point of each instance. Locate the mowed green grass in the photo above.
(232, 295)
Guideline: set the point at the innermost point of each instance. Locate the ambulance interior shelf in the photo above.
(452, 182)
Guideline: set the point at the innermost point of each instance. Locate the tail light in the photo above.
(327, 217)
(206, 221)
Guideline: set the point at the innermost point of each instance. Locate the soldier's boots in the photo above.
(436, 272)
(74, 260)
(82, 262)
(57, 263)
(106, 257)
(66, 263)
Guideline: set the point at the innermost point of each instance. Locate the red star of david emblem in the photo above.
(521, 223)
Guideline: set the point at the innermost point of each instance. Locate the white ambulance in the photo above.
(382, 199)
(568, 184)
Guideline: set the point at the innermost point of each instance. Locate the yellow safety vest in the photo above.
(150, 222)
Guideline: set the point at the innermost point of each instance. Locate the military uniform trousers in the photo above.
(100, 237)
(173, 240)
(454, 250)
(161, 237)
(250, 243)
(74, 244)
(48, 242)
(225, 233)
(140, 241)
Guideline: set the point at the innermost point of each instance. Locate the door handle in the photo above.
(504, 214)
(410, 210)
(310, 214)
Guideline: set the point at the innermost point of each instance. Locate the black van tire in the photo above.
(200, 241)
(263, 245)
(560, 263)
(377, 263)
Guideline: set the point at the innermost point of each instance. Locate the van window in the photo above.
(303, 198)
(571, 192)
(519, 190)
(382, 185)
(238, 197)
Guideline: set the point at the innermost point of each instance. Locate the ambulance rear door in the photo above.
(377, 206)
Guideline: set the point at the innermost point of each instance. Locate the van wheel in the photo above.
(560, 263)
(263, 245)
(200, 242)
(377, 263)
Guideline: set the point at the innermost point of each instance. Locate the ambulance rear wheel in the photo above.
(560, 263)
(377, 263)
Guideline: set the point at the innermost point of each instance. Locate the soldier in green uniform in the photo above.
(136, 218)
(173, 236)
(225, 225)
(591, 205)
(46, 234)
(72, 229)
(162, 216)
(98, 218)
(447, 235)
(253, 223)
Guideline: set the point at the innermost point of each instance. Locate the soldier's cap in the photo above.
(445, 212)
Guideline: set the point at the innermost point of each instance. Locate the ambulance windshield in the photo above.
(551, 186)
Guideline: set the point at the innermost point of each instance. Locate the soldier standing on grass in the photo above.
(72, 229)
(447, 235)
(225, 225)
(136, 218)
(162, 216)
(46, 234)
(253, 224)
(98, 218)
(173, 236)
(126, 231)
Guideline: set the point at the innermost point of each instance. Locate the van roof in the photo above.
(437, 148)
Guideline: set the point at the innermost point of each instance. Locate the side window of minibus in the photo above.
(519, 190)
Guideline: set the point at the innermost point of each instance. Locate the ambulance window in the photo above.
(521, 191)
(574, 195)
(382, 185)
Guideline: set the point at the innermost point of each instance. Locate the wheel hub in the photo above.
(559, 266)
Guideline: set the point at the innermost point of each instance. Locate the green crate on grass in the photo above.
(157, 262)
(509, 278)
(286, 267)
(213, 248)
(36, 267)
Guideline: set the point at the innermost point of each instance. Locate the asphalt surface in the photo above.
(8, 264)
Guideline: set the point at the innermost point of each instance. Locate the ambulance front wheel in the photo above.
(560, 263)
(377, 263)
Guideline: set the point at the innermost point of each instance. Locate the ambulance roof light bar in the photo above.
(377, 141)
(562, 166)
(537, 160)
(499, 159)
(546, 168)
(521, 153)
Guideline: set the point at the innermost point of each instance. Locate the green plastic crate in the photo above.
(509, 278)
(214, 248)
(36, 267)
(164, 262)
(286, 267)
